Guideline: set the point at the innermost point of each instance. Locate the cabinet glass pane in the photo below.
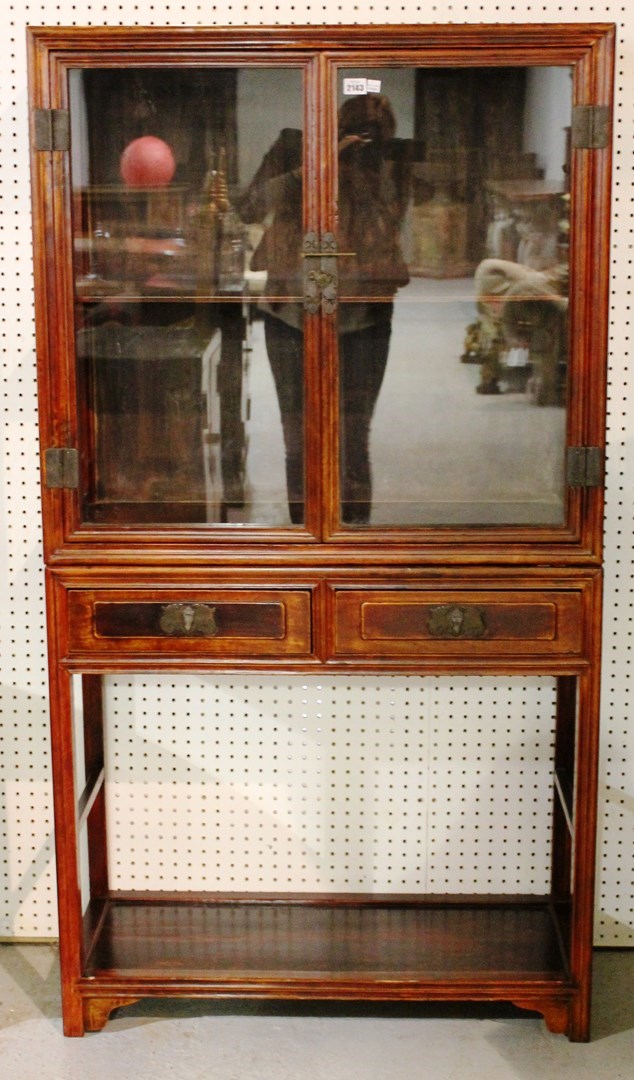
(175, 288)
(453, 212)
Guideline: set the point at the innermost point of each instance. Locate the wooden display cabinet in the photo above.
(262, 454)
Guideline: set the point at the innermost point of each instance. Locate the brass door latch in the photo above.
(321, 278)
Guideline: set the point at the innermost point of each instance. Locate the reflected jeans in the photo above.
(363, 358)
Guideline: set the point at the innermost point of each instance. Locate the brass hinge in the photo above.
(585, 466)
(61, 465)
(590, 127)
(51, 129)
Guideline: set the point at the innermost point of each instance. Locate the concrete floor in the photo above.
(253, 1041)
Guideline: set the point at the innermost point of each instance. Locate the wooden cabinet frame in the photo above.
(524, 601)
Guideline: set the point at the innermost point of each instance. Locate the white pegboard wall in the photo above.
(350, 785)
(25, 804)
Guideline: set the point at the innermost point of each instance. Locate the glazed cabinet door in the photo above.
(171, 183)
(465, 331)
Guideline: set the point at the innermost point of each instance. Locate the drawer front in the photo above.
(219, 622)
(402, 623)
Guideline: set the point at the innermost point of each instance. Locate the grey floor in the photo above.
(441, 454)
(250, 1041)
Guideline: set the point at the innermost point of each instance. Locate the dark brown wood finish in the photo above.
(190, 598)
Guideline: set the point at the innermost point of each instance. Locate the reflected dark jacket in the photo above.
(373, 196)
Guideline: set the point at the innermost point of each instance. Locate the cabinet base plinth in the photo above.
(556, 1013)
(97, 1010)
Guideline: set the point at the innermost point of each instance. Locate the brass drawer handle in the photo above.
(453, 621)
(189, 620)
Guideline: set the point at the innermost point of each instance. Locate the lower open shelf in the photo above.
(331, 939)
(344, 947)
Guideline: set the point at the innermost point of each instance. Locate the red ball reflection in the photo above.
(147, 162)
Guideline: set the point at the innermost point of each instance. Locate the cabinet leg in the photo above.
(579, 1027)
(72, 1013)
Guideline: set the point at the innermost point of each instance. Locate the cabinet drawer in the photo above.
(403, 623)
(218, 622)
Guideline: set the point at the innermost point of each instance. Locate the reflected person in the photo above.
(374, 189)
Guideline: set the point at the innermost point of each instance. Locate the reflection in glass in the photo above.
(460, 418)
(452, 211)
(374, 175)
(173, 289)
(274, 197)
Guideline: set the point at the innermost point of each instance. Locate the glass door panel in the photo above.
(188, 224)
(453, 212)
